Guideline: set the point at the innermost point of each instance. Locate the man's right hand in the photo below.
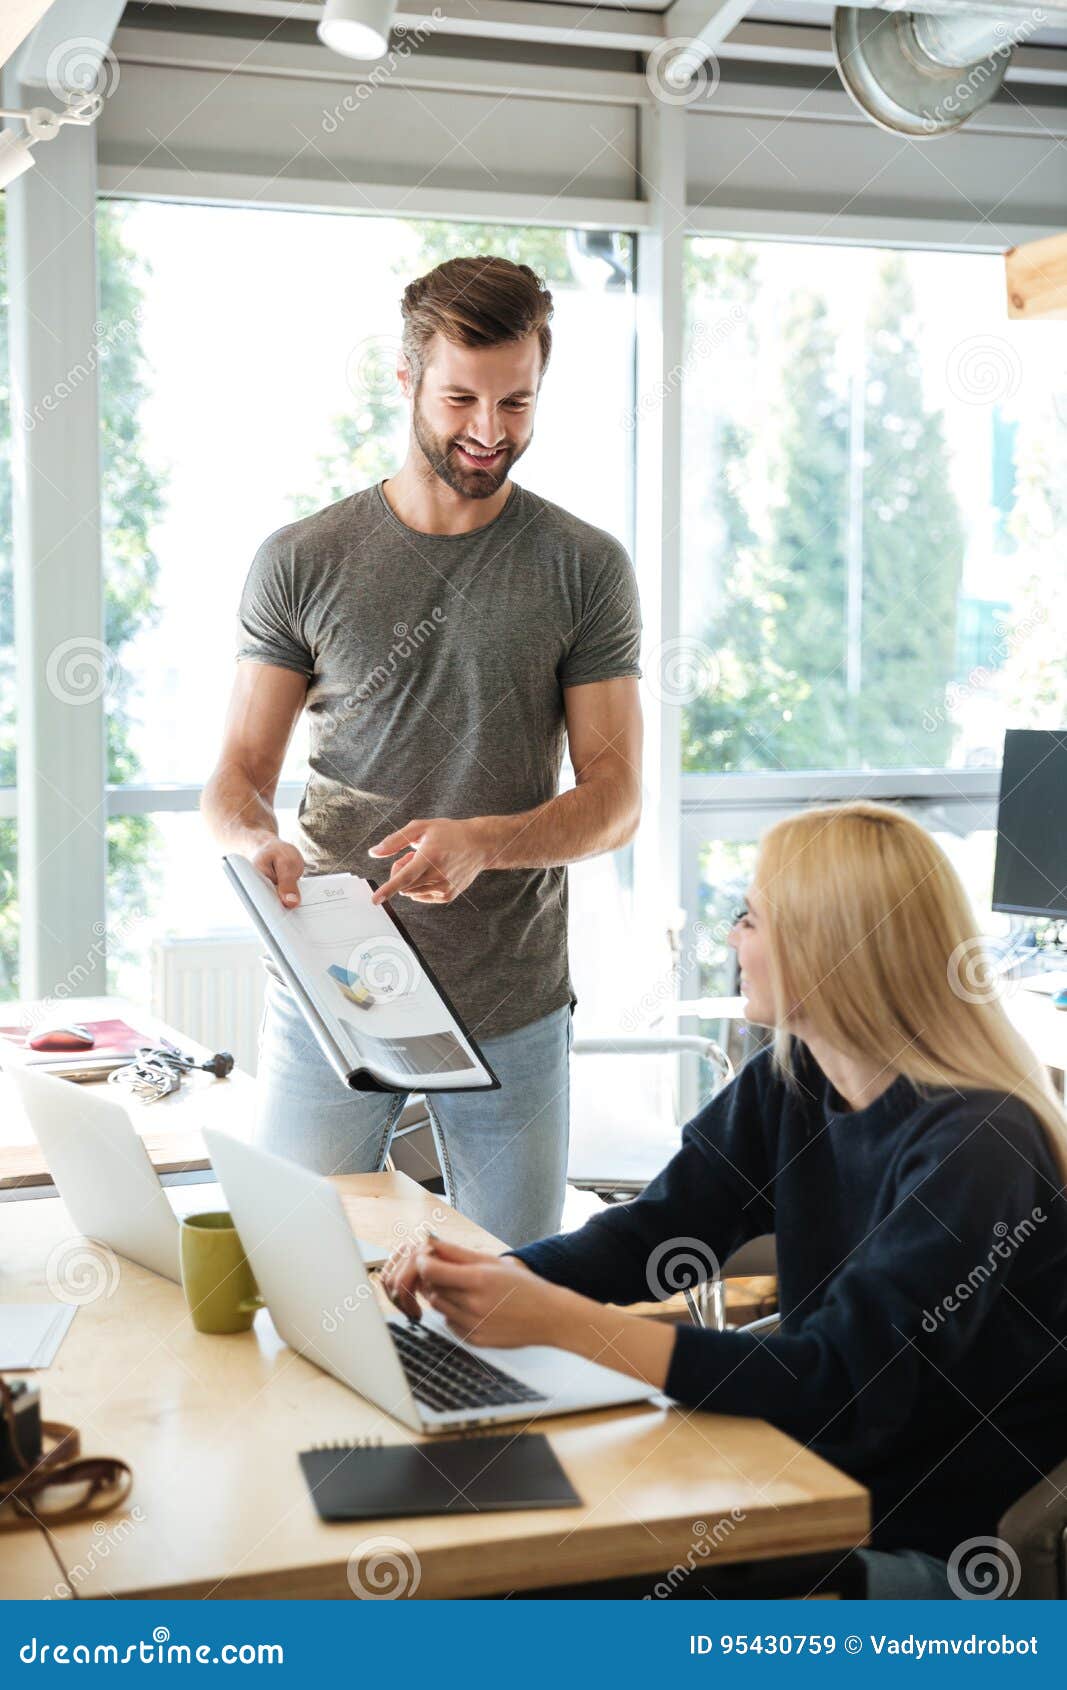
(283, 864)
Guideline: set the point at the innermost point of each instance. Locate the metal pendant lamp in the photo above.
(922, 74)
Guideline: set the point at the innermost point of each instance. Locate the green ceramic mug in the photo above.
(216, 1277)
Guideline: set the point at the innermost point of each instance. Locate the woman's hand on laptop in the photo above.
(399, 1280)
(486, 1299)
(492, 1300)
(500, 1302)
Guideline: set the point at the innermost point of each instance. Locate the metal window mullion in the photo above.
(658, 429)
(61, 662)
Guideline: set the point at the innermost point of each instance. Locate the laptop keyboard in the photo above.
(444, 1375)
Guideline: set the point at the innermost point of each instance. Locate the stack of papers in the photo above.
(31, 1333)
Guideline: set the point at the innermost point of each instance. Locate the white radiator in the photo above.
(212, 989)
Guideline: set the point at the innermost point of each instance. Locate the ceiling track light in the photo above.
(358, 29)
(41, 124)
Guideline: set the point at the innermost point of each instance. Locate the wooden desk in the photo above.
(170, 1128)
(211, 1427)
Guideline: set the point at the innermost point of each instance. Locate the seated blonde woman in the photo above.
(906, 1149)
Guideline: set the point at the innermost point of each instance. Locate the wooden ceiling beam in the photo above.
(1036, 276)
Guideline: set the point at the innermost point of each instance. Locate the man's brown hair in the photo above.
(482, 301)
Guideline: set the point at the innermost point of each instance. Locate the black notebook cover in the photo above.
(458, 1476)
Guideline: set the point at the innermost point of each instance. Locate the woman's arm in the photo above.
(497, 1301)
(906, 1308)
(710, 1198)
(852, 1376)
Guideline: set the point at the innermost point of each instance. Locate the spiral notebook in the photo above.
(470, 1475)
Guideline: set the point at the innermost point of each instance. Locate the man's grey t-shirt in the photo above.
(436, 665)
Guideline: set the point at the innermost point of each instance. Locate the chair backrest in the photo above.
(1035, 1531)
(624, 1119)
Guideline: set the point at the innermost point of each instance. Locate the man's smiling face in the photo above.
(473, 414)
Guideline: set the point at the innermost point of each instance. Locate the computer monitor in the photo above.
(1030, 875)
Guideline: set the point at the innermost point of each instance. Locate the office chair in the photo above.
(612, 1164)
(1035, 1531)
(629, 1177)
(618, 1169)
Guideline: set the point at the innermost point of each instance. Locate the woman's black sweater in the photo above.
(922, 1268)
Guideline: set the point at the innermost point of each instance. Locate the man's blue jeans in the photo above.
(503, 1153)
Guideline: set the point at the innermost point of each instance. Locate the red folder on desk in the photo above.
(114, 1042)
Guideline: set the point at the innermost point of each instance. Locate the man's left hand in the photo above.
(440, 859)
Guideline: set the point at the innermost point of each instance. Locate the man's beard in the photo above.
(439, 452)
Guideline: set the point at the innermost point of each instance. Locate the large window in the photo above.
(875, 476)
(254, 389)
(720, 870)
(875, 482)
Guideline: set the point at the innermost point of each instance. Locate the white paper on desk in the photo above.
(31, 1333)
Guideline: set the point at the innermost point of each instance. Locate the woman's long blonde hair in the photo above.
(871, 939)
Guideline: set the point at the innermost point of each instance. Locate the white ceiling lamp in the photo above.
(16, 151)
(16, 155)
(357, 28)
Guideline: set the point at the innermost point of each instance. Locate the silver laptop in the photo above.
(101, 1168)
(104, 1174)
(314, 1279)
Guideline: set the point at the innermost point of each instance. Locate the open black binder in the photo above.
(368, 995)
